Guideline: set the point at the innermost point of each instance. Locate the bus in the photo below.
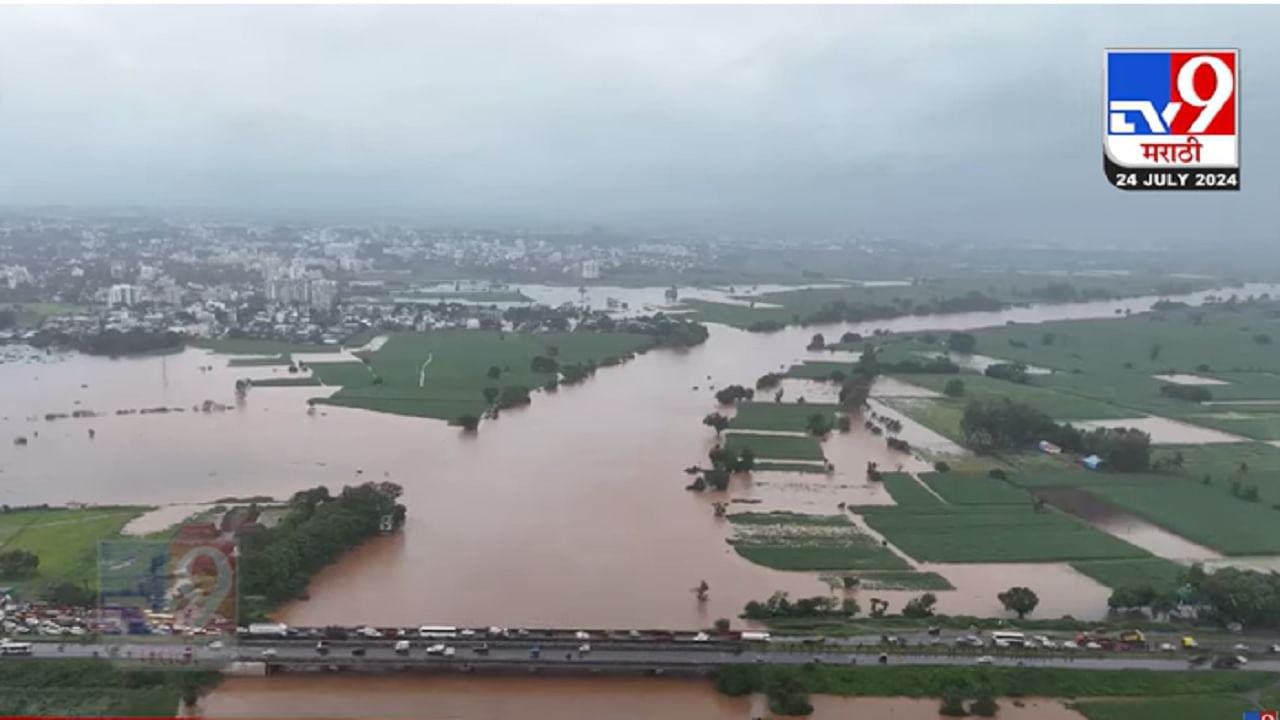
(437, 631)
(1001, 638)
(15, 648)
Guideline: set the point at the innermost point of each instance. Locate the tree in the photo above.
(961, 342)
(954, 388)
(69, 594)
(952, 706)
(467, 422)
(491, 394)
(768, 381)
(879, 607)
(716, 421)
(494, 372)
(817, 342)
(1020, 600)
(818, 424)
(543, 364)
(843, 424)
(849, 606)
(984, 706)
(16, 564)
(920, 607)
(721, 625)
(733, 393)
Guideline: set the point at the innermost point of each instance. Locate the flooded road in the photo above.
(571, 511)
(500, 698)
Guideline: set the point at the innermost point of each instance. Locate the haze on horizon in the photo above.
(943, 122)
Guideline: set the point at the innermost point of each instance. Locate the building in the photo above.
(590, 270)
(126, 295)
(322, 293)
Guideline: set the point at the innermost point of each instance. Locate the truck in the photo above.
(402, 647)
(1133, 637)
(754, 636)
(268, 629)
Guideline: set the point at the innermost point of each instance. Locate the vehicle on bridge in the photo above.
(8, 647)
(437, 631)
(402, 647)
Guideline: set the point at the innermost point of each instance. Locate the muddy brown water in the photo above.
(1126, 526)
(498, 698)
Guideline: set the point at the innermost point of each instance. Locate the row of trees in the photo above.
(276, 563)
(17, 564)
(999, 423)
(1227, 595)
(114, 343)
(1020, 600)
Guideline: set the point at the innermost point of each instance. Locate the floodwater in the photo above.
(1126, 526)
(568, 512)
(1164, 431)
(545, 698)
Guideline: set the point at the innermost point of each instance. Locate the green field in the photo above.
(790, 467)
(893, 580)
(265, 361)
(1154, 572)
(1194, 707)
(288, 381)
(818, 369)
(1205, 515)
(93, 688)
(1240, 420)
(66, 541)
(789, 541)
(790, 417)
(775, 447)
(975, 489)
(453, 365)
(1054, 403)
(1000, 533)
(906, 491)
(248, 346)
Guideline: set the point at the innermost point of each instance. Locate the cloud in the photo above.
(950, 122)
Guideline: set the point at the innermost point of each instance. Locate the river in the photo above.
(568, 512)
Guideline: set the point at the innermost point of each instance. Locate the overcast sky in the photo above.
(951, 122)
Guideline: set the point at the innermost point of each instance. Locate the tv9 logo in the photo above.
(1172, 119)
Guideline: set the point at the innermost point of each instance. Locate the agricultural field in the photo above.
(893, 580)
(1056, 404)
(263, 361)
(975, 489)
(453, 367)
(818, 369)
(1195, 707)
(906, 491)
(958, 534)
(790, 541)
(250, 346)
(775, 447)
(952, 295)
(1206, 515)
(787, 417)
(1153, 572)
(66, 541)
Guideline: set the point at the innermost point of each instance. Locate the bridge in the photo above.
(605, 657)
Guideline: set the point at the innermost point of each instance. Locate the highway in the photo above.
(639, 656)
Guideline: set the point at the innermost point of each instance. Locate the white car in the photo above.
(1240, 647)
(369, 632)
(1070, 645)
(468, 632)
(985, 660)
(450, 652)
(269, 653)
(584, 648)
(1091, 645)
(76, 630)
(1275, 648)
(701, 637)
(216, 645)
(582, 635)
(437, 649)
(1168, 647)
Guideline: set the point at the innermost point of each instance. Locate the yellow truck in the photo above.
(1189, 643)
(1132, 637)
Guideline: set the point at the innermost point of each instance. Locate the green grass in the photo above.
(1252, 424)
(259, 361)
(894, 580)
(287, 382)
(789, 541)
(1171, 708)
(775, 447)
(818, 369)
(1001, 533)
(941, 415)
(66, 541)
(1055, 403)
(47, 687)
(789, 467)
(1154, 572)
(970, 681)
(975, 489)
(249, 346)
(1205, 515)
(779, 416)
(457, 374)
(906, 491)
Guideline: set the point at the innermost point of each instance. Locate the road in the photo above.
(666, 656)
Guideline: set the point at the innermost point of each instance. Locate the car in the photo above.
(582, 635)
(1093, 645)
(535, 652)
(1275, 647)
(437, 649)
(481, 649)
(466, 632)
(357, 652)
(817, 659)
(935, 631)
(369, 632)
(76, 630)
(985, 660)
(269, 653)
(216, 645)
(584, 648)
(402, 647)
(187, 652)
(1168, 647)
(634, 634)
(450, 652)
(701, 637)
(1070, 645)
(1240, 647)
(884, 659)
(496, 631)
(759, 658)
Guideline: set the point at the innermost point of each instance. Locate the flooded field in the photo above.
(1164, 431)
(571, 511)
(500, 698)
(1126, 526)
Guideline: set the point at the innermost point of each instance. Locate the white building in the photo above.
(127, 295)
(322, 294)
(590, 270)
